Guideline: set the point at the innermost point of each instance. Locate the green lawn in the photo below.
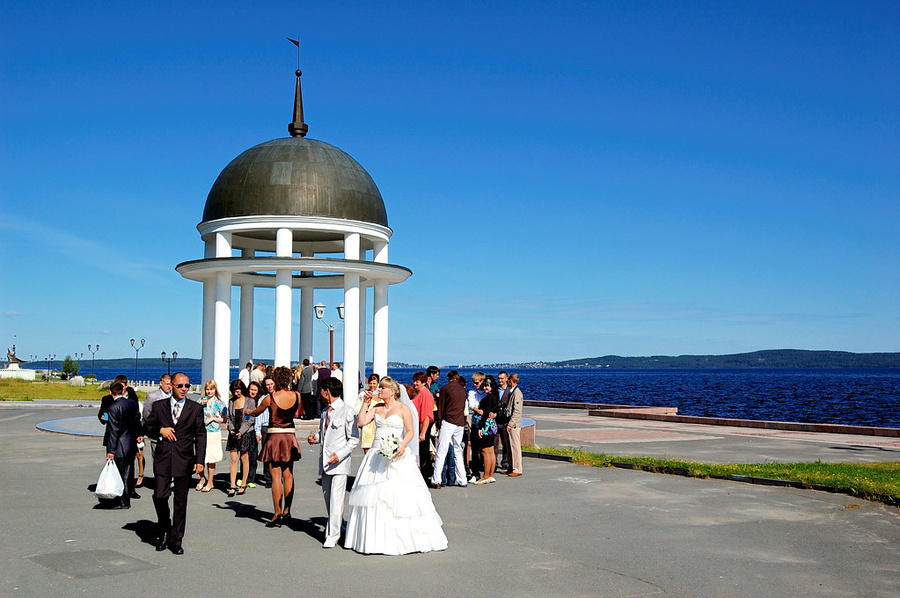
(878, 482)
(22, 390)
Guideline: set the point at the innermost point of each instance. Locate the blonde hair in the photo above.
(477, 377)
(215, 388)
(388, 382)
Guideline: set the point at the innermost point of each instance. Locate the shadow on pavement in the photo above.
(143, 529)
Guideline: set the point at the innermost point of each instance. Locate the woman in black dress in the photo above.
(486, 428)
(240, 433)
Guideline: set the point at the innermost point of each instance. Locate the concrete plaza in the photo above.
(559, 530)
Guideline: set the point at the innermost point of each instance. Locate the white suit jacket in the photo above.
(341, 438)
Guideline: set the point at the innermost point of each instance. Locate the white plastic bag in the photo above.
(109, 484)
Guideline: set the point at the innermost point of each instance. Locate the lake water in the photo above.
(857, 396)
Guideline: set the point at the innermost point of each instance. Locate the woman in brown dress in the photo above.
(281, 448)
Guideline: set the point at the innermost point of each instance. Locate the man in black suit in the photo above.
(107, 401)
(180, 452)
(125, 431)
(502, 437)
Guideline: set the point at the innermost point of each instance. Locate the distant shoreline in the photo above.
(768, 359)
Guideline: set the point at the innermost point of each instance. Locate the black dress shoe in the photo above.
(121, 506)
(176, 549)
(162, 541)
(134, 495)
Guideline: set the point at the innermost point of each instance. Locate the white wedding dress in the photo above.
(391, 511)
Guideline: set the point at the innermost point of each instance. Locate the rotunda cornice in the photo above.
(299, 224)
(253, 268)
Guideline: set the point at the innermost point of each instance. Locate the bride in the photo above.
(390, 506)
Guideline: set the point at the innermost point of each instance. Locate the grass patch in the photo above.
(879, 482)
(23, 390)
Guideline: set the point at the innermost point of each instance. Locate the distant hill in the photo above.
(780, 358)
(126, 364)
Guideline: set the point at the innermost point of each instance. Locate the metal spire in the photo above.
(298, 128)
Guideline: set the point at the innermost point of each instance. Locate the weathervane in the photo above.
(296, 42)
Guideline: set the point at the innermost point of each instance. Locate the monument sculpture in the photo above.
(12, 369)
(12, 359)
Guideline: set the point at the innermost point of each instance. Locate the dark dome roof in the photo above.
(295, 176)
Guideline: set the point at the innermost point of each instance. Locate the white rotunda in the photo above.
(294, 213)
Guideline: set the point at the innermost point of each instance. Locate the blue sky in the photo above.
(564, 179)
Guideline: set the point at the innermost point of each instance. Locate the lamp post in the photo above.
(169, 360)
(76, 357)
(92, 352)
(49, 359)
(320, 313)
(136, 351)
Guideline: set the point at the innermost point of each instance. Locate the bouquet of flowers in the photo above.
(389, 446)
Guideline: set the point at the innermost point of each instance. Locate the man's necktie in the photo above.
(327, 418)
(176, 411)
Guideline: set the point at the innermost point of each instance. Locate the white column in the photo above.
(245, 351)
(306, 318)
(222, 357)
(351, 318)
(208, 336)
(362, 331)
(283, 248)
(380, 316)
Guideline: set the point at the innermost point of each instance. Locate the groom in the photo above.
(338, 436)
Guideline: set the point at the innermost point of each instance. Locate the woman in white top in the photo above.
(213, 415)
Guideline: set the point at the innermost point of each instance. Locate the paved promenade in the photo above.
(704, 443)
(559, 530)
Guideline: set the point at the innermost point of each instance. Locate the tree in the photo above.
(70, 366)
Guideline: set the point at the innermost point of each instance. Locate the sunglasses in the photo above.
(182, 385)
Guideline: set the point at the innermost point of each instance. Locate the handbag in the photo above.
(489, 427)
(109, 484)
